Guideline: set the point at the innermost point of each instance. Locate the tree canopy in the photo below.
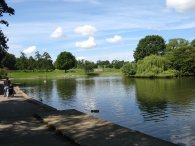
(183, 60)
(151, 44)
(176, 43)
(65, 61)
(9, 61)
(4, 8)
(192, 43)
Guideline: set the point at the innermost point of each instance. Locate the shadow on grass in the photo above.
(92, 74)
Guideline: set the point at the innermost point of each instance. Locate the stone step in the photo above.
(87, 130)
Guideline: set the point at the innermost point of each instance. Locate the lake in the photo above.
(164, 108)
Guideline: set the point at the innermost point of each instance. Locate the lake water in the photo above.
(164, 108)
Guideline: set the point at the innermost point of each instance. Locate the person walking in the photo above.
(6, 87)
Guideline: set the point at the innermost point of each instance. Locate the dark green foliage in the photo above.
(22, 62)
(103, 64)
(176, 43)
(192, 43)
(183, 60)
(9, 61)
(31, 63)
(129, 69)
(89, 66)
(149, 45)
(3, 73)
(3, 45)
(43, 62)
(4, 8)
(118, 64)
(40, 63)
(65, 61)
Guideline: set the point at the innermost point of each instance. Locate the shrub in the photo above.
(129, 69)
(151, 66)
(3, 73)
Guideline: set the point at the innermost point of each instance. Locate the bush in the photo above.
(151, 66)
(169, 73)
(3, 73)
(129, 69)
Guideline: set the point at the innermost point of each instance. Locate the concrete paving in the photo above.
(18, 127)
(88, 130)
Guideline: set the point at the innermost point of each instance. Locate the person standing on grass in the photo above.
(6, 87)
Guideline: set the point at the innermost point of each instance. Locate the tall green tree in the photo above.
(22, 62)
(176, 43)
(65, 61)
(183, 60)
(9, 61)
(151, 44)
(4, 8)
(47, 62)
(31, 63)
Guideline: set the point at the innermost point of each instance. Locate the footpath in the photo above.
(26, 122)
(18, 127)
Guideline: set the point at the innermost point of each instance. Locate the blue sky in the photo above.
(95, 29)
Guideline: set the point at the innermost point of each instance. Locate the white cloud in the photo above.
(86, 30)
(181, 5)
(58, 33)
(29, 50)
(115, 39)
(90, 43)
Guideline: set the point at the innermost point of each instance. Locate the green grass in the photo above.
(61, 74)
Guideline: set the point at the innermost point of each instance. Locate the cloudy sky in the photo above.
(95, 29)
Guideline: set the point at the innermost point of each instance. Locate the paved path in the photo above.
(88, 130)
(18, 127)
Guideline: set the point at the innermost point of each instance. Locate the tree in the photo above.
(22, 62)
(4, 8)
(118, 64)
(176, 43)
(129, 69)
(192, 43)
(47, 62)
(9, 61)
(151, 66)
(152, 44)
(31, 63)
(104, 63)
(183, 60)
(65, 60)
(89, 66)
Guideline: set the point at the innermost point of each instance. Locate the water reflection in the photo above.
(163, 108)
(66, 88)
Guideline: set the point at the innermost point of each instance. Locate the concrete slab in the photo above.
(18, 127)
(88, 130)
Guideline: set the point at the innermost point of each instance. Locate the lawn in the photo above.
(61, 74)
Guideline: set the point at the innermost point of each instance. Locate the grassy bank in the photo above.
(61, 74)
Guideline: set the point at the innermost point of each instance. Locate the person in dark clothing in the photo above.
(11, 90)
(6, 87)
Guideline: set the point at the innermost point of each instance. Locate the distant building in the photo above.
(98, 69)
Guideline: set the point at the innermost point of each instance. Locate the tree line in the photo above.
(155, 58)
(65, 61)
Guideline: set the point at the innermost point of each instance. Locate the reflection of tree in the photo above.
(129, 86)
(66, 88)
(38, 88)
(153, 95)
